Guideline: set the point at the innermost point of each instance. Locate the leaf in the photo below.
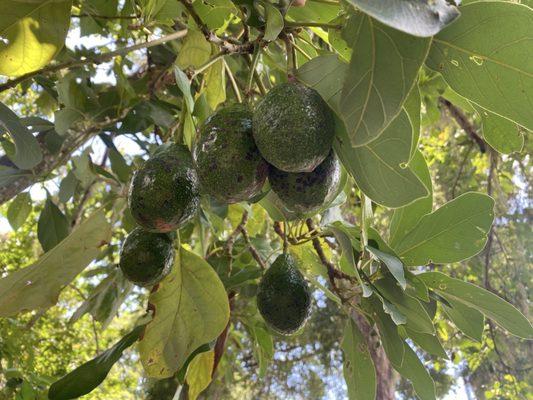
(405, 218)
(215, 13)
(502, 135)
(67, 187)
(468, 320)
(274, 22)
(27, 150)
(32, 34)
(18, 210)
(382, 71)
(185, 86)
(393, 264)
(88, 376)
(195, 51)
(198, 375)
(454, 232)
(481, 56)
(492, 306)
(416, 17)
(377, 167)
(427, 342)
(215, 85)
(412, 108)
(38, 286)
(358, 367)
(190, 308)
(413, 370)
(118, 165)
(52, 226)
(65, 118)
(417, 317)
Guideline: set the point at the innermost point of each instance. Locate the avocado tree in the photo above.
(213, 168)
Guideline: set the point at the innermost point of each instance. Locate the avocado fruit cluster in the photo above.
(283, 296)
(146, 257)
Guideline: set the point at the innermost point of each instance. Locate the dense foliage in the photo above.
(397, 199)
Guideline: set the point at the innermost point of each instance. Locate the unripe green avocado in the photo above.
(164, 192)
(283, 296)
(293, 128)
(146, 257)
(228, 162)
(307, 192)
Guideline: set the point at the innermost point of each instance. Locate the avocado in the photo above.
(307, 192)
(293, 127)
(283, 296)
(146, 257)
(164, 192)
(228, 162)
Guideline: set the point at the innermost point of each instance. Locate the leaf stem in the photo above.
(305, 24)
(234, 85)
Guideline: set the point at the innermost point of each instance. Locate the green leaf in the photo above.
(274, 22)
(198, 375)
(393, 264)
(52, 226)
(492, 306)
(358, 367)
(33, 34)
(67, 187)
(502, 135)
(382, 71)
(427, 342)
(18, 210)
(215, 86)
(417, 316)
(27, 150)
(412, 108)
(468, 320)
(190, 308)
(413, 370)
(38, 286)
(264, 347)
(88, 376)
(118, 165)
(377, 167)
(185, 86)
(215, 13)
(481, 56)
(65, 118)
(405, 218)
(195, 51)
(416, 17)
(454, 232)
(388, 332)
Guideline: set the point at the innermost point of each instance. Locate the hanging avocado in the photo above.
(164, 192)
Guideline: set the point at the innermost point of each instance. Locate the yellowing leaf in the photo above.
(199, 373)
(31, 34)
(190, 309)
(38, 286)
(195, 50)
(215, 85)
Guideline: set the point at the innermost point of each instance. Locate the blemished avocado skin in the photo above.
(293, 128)
(229, 165)
(306, 192)
(283, 296)
(164, 192)
(146, 257)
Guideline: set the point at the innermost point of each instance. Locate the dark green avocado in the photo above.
(164, 192)
(307, 192)
(146, 257)
(228, 162)
(283, 296)
(293, 128)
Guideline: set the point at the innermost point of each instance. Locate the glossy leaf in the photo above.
(492, 306)
(18, 210)
(52, 226)
(88, 376)
(454, 232)
(381, 73)
(481, 56)
(190, 308)
(32, 33)
(416, 17)
(38, 286)
(358, 367)
(27, 150)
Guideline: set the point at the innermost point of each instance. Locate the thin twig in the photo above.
(252, 249)
(234, 85)
(461, 169)
(95, 60)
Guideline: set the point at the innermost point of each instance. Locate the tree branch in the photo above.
(464, 123)
(95, 60)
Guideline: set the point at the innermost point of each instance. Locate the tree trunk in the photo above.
(386, 377)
